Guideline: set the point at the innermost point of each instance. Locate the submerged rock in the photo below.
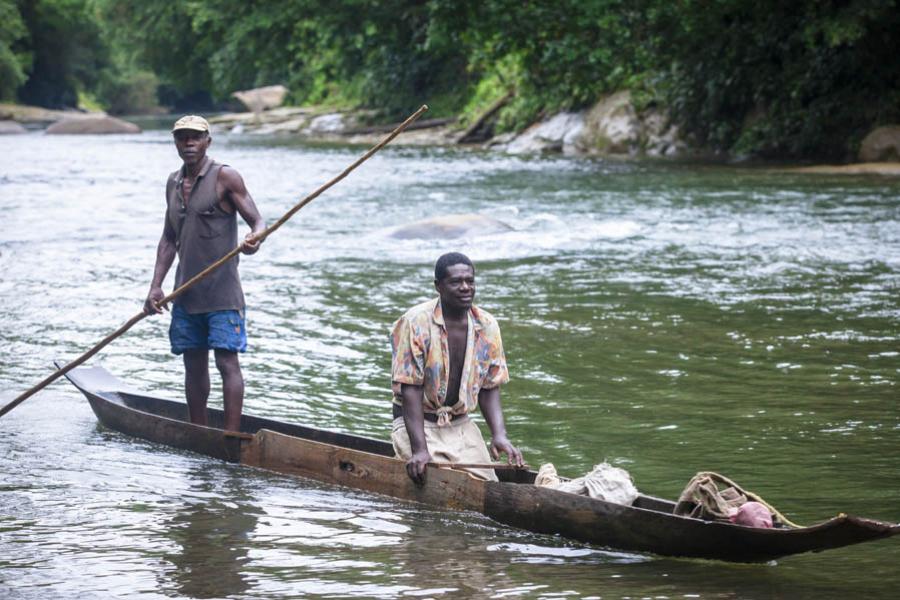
(449, 227)
(89, 124)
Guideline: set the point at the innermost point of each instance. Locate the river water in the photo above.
(668, 318)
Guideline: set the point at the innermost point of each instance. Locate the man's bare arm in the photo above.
(489, 401)
(165, 256)
(236, 194)
(414, 420)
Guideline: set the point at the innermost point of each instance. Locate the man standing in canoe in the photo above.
(203, 198)
(448, 360)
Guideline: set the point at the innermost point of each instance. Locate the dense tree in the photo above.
(68, 52)
(13, 60)
(375, 52)
(165, 39)
(769, 78)
(802, 78)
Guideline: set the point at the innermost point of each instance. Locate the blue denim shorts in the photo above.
(222, 329)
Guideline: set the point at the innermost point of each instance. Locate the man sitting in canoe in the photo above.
(203, 198)
(447, 360)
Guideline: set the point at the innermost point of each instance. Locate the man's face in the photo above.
(457, 288)
(191, 145)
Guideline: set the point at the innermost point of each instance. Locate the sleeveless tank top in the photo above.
(204, 233)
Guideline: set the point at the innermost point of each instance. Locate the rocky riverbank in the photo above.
(613, 127)
(18, 119)
(867, 168)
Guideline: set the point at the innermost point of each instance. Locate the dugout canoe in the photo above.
(647, 526)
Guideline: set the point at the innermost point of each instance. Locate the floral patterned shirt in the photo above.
(420, 356)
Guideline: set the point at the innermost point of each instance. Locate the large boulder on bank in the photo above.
(882, 144)
(91, 124)
(29, 115)
(264, 98)
(612, 126)
(326, 124)
(449, 227)
(659, 136)
(557, 134)
(11, 127)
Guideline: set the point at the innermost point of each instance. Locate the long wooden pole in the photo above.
(190, 282)
(501, 466)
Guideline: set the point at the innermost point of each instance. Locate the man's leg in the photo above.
(232, 387)
(196, 383)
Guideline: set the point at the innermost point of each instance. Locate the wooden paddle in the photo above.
(262, 235)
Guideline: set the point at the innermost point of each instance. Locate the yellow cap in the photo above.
(195, 122)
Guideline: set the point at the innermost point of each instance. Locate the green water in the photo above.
(667, 318)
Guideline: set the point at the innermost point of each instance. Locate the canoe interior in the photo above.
(177, 411)
(249, 424)
(101, 384)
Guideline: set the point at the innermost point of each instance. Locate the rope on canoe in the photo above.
(757, 498)
(690, 496)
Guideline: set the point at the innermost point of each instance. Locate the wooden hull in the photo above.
(367, 464)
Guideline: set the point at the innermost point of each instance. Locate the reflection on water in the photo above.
(667, 318)
(213, 534)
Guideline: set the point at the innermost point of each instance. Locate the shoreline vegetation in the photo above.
(736, 80)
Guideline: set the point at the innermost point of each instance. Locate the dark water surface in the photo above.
(667, 318)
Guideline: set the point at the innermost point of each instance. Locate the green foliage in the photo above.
(492, 86)
(13, 63)
(369, 52)
(133, 92)
(87, 101)
(572, 51)
(162, 38)
(67, 48)
(763, 77)
(770, 78)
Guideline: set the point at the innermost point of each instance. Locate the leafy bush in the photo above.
(771, 78)
(13, 64)
(132, 94)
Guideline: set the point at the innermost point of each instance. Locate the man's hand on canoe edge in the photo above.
(416, 465)
(151, 304)
(501, 445)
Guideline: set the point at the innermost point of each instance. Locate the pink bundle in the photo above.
(752, 514)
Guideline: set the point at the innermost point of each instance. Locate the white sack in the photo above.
(604, 482)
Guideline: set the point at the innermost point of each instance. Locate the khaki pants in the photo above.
(459, 442)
